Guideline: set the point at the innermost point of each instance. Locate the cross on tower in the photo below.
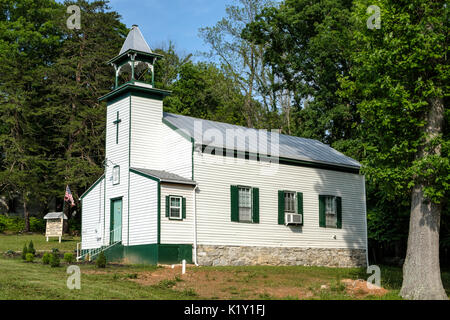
(116, 123)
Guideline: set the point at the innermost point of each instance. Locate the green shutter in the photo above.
(183, 204)
(255, 205)
(167, 205)
(300, 205)
(339, 212)
(234, 203)
(281, 207)
(322, 211)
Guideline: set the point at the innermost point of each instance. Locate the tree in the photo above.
(75, 119)
(241, 59)
(399, 77)
(28, 39)
(306, 46)
(203, 91)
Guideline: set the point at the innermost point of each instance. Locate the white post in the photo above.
(183, 271)
(59, 239)
(47, 239)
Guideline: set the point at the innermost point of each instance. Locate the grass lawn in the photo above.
(22, 280)
(16, 242)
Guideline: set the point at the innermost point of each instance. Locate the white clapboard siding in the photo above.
(174, 231)
(92, 216)
(177, 153)
(143, 210)
(146, 127)
(215, 174)
(117, 154)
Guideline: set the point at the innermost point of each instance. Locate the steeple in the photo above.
(135, 62)
(135, 41)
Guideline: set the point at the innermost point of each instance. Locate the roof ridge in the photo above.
(236, 125)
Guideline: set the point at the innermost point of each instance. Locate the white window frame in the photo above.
(294, 211)
(331, 213)
(246, 207)
(116, 175)
(180, 208)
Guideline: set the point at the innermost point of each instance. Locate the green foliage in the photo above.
(46, 258)
(306, 45)
(68, 257)
(203, 91)
(29, 257)
(54, 260)
(2, 227)
(31, 248)
(101, 260)
(24, 251)
(16, 224)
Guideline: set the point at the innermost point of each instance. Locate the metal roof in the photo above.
(165, 176)
(205, 132)
(54, 215)
(135, 41)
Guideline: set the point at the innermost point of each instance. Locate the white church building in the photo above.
(179, 188)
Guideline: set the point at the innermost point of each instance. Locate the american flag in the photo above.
(69, 197)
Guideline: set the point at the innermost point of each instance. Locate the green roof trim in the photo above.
(124, 56)
(130, 87)
(92, 187)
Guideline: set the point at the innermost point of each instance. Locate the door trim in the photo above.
(111, 213)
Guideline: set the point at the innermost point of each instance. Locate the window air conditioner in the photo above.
(294, 219)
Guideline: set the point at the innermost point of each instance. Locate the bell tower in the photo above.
(134, 114)
(135, 62)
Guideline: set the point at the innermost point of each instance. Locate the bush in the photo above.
(68, 257)
(29, 257)
(24, 252)
(31, 248)
(54, 260)
(101, 260)
(55, 250)
(46, 258)
(17, 224)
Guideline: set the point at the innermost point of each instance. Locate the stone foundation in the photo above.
(278, 256)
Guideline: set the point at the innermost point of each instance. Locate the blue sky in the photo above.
(175, 20)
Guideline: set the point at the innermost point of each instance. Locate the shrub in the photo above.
(37, 224)
(10, 253)
(31, 248)
(54, 260)
(29, 257)
(24, 252)
(55, 250)
(68, 257)
(2, 227)
(46, 258)
(101, 260)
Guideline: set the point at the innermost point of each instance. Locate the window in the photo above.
(116, 175)
(175, 208)
(245, 204)
(289, 202)
(330, 212)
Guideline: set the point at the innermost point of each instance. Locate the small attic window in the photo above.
(116, 175)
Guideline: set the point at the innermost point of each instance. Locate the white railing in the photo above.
(91, 253)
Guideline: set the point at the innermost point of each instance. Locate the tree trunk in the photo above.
(421, 270)
(26, 215)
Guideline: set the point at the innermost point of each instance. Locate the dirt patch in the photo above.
(214, 284)
(363, 288)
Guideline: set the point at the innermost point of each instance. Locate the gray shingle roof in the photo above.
(165, 176)
(289, 147)
(135, 41)
(54, 215)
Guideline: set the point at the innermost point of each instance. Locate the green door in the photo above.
(116, 220)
